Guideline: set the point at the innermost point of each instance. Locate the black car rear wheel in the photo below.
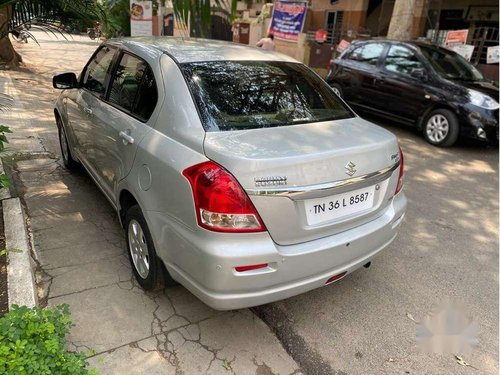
(337, 89)
(441, 128)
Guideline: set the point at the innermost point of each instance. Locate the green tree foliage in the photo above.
(117, 20)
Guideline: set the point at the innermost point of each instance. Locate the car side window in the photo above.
(400, 59)
(133, 87)
(94, 78)
(147, 96)
(367, 53)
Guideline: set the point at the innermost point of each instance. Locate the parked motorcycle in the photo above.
(21, 34)
(94, 32)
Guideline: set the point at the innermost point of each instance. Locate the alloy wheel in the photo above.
(138, 248)
(437, 128)
(64, 145)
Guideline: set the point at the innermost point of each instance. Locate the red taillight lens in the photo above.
(399, 186)
(221, 203)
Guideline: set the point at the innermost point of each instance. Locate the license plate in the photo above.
(337, 206)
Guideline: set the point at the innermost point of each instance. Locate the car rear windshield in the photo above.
(235, 95)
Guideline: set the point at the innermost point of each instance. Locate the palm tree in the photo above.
(197, 14)
(48, 15)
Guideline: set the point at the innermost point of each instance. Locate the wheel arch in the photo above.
(125, 200)
(421, 120)
(57, 115)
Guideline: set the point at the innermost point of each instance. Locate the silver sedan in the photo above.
(236, 172)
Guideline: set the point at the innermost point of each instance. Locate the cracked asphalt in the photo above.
(364, 324)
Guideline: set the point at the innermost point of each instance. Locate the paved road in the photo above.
(447, 249)
(365, 324)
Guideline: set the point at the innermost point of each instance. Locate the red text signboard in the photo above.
(457, 37)
(342, 45)
(321, 36)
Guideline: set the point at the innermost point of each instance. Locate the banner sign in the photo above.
(288, 19)
(342, 45)
(141, 18)
(492, 55)
(456, 37)
(465, 50)
(321, 35)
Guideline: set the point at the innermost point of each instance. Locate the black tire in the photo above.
(337, 89)
(450, 136)
(157, 276)
(69, 162)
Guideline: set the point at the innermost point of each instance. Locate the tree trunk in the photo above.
(9, 58)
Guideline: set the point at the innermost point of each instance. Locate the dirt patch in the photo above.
(4, 302)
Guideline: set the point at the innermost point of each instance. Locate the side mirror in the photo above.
(420, 74)
(65, 81)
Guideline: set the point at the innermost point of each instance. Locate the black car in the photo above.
(420, 84)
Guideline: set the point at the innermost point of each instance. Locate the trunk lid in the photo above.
(323, 163)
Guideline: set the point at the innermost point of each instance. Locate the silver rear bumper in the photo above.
(205, 263)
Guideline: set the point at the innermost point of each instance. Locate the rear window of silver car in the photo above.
(236, 95)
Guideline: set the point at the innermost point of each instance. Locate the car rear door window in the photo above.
(147, 96)
(94, 78)
(402, 60)
(367, 53)
(133, 87)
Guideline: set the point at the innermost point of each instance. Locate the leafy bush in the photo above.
(32, 342)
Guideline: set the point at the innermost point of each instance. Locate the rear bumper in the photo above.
(205, 265)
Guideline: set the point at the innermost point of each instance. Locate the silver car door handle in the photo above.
(87, 110)
(126, 137)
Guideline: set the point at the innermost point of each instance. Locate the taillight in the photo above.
(399, 186)
(221, 203)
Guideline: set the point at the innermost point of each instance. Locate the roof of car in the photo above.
(416, 43)
(185, 50)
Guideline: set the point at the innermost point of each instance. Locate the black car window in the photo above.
(367, 53)
(94, 78)
(133, 87)
(450, 65)
(402, 60)
(235, 95)
(147, 96)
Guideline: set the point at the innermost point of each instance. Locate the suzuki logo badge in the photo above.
(350, 168)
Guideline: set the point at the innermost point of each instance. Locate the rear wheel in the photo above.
(337, 89)
(441, 128)
(67, 158)
(147, 267)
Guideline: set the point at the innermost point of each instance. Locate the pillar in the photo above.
(406, 21)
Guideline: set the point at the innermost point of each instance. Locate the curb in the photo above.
(20, 277)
